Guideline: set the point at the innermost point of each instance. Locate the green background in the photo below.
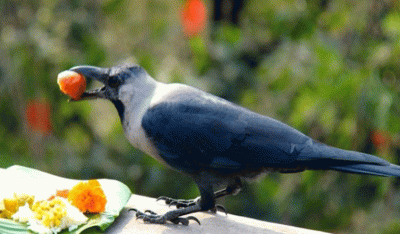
(328, 68)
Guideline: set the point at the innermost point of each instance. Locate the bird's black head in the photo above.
(113, 79)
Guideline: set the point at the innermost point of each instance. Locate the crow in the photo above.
(212, 140)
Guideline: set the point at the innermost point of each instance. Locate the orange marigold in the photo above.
(88, 197)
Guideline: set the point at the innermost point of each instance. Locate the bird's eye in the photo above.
(113, 82)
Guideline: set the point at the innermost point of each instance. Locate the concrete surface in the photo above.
(210, 223)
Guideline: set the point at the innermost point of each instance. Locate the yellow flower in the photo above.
(51, 212)
(10, 206)
(88, 197)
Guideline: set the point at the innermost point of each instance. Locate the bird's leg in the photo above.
(232, 189)
(206, 202)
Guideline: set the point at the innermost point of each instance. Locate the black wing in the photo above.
(196, 131)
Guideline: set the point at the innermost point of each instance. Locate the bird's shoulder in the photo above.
(184, 95)
(180, 104)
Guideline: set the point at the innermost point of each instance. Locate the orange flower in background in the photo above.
(380, 138)
(193, 17)
(88, 197)
(38, 116)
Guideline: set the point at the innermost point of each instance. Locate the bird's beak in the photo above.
(97, 73)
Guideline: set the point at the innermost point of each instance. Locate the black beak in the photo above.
(92, 72)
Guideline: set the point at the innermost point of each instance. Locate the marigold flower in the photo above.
(380, 138)
(193, 17)
(38, 116)
(88, 197)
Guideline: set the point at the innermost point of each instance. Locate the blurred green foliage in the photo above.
(329, 68)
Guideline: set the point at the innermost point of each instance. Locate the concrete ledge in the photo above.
(210, 223)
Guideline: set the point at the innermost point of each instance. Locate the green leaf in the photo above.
(391, 24)
(41, 184)
(11, 227)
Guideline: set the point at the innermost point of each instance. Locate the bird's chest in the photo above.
(137, 137)
(135, 133)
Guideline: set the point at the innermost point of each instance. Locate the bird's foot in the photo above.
(152, 217)
(181, 203)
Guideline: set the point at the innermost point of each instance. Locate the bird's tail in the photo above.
(370, 169)
(350, 161)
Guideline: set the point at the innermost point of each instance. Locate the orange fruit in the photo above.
(71, 83)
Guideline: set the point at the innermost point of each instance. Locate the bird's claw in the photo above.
(140, 214)
(184, 221)
(152, 217)
(150, 212)
(219, 208)
(166, 199)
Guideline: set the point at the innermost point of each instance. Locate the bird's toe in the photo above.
(149, 216)
(185, 220)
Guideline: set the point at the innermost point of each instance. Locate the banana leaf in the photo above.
(19, 179)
